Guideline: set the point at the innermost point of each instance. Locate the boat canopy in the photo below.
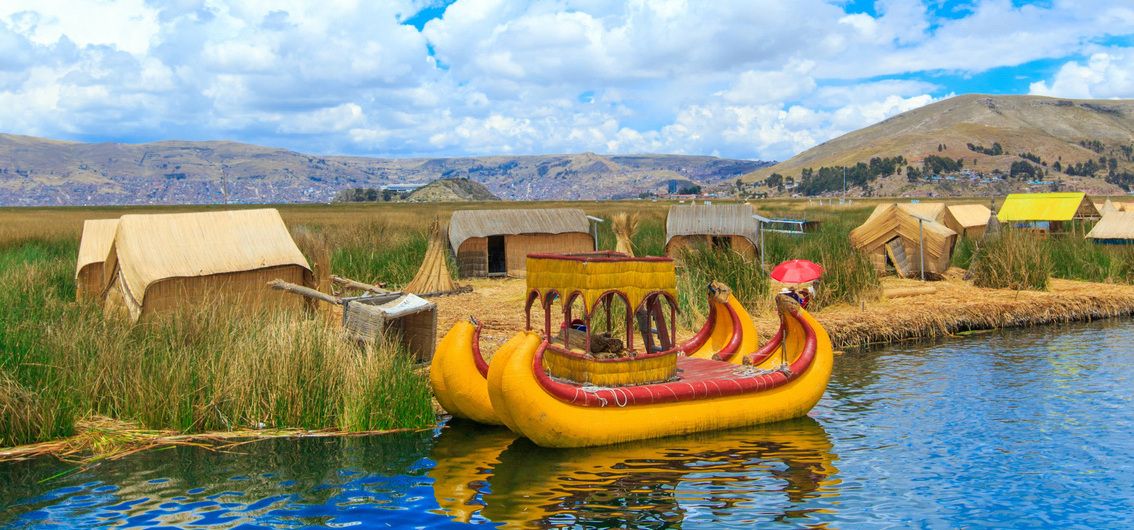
(594, 275)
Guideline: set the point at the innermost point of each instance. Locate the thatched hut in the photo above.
(164, 262)
(895, 235)
(1047, 212)
(94, 247)
(722, 226)
(497, 242)
(967, 220)
(1115, 228)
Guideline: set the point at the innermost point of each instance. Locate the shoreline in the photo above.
(102, 439)
(955, 307)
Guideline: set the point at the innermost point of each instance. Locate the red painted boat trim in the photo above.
(733, 345)
(478, 359)
(767, 349)
(696, 341)
(727, 382)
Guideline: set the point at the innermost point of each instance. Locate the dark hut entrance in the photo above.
(497, 258)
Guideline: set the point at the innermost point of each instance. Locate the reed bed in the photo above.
(700, 265)
(206, 370)
(1012, 259)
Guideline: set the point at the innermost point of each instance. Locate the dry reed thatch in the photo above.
(625, 225)
(1115, 225)
(900, 221)
(434, 275)
(165, 260)
(94, 248)
(102, 439)
(958, 307)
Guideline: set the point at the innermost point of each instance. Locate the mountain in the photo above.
(1037, 131)
(36, 171)
(452, 190)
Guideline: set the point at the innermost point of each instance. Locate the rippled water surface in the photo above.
(1019, 429)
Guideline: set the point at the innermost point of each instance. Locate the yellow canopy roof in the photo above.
(1041, 206)
(593, 275)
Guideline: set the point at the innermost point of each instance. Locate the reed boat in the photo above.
(572, 385)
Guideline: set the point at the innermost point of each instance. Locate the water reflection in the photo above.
(647, 484)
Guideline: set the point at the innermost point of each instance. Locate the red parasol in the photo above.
(797, 271)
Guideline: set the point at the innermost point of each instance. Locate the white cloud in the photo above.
(1104, 75)
(742, 78)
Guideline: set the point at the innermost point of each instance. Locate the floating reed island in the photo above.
(955, 306)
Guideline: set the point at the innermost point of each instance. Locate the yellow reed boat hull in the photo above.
(457, 381)
(518, 393)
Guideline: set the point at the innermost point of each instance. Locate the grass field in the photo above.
(62, 361)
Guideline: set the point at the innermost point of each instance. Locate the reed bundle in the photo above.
(625, 226)
(434, 275)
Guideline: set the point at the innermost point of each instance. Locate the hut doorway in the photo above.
(497, 257)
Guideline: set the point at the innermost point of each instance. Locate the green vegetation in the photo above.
(211, 370)
(849, 276)
(1012, 259)
(374, 251)
(701, 265)
(1068, 257)
(826, 179)
(1076, 258)
(995, 150)
(369, 195)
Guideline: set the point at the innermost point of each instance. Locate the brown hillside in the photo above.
(452, 190)
(38, 172)
(1049, 127)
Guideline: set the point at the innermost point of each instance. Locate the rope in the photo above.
(752, 371)
(595, 389)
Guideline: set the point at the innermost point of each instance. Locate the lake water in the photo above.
(1022, 429)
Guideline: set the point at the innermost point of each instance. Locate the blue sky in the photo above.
(760, 79)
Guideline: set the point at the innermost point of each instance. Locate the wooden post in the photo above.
(347, 282)
(304, 291)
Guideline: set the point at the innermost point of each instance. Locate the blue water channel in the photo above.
(1021, 429)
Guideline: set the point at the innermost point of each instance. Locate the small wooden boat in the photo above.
(573, 387)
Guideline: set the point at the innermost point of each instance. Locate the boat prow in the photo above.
(459, 373)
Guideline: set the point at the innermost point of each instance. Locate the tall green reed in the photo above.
(214, 368)
(1012, 259)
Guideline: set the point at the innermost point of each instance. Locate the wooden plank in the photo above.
(896, 250)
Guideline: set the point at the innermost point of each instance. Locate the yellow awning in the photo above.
(1040, 206)
(593, 275)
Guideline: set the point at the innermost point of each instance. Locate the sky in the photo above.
(752, 79)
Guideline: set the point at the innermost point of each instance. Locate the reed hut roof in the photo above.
(1114, 225)
(155, 247)
(97, 239)
(712, 220)
(1046, 207)
(930, 211)
(969, 215)
(466, 224)
(1108, 207)
(896, 220)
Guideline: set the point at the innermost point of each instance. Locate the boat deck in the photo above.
(696, 379)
